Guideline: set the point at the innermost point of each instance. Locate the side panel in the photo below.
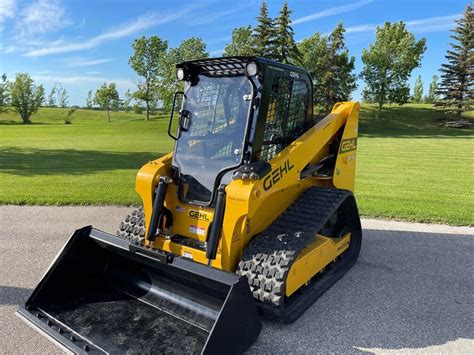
(344, 173)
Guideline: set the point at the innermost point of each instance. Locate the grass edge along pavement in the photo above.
(408, 168)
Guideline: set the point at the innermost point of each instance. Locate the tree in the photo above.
(4, 92)
(331, 68)
(147, 61)
(264, 34)
(418, 90)
(189, 49)
(64, 98)
(457, 79)
(286, 48)
(26, 96)
(432, 96)
(107, 97)
(242, 42)
(89, 99)
(127, 100)
(51, 97)
(389, 62)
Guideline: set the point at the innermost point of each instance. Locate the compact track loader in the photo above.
(251, 213)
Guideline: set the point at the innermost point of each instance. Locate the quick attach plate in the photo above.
(150, 252)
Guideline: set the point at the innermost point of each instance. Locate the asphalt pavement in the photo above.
(410, 292)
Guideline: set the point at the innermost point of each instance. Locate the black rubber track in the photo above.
(269, 256)
(133, 226)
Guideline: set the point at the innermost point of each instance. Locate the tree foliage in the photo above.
(242, 42)
(286, 50)
(432, 96)
(127, 100)
(418, 90)
(52, 97)
(26, 96)
(4, 92)
(189, 49)
(264, 34)
(457, 79)
(107, 98)
(89, 99)
(63, 98)
(331, 68)
(388, 63)
(148, 62)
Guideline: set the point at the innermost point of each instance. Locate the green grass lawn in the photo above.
(408, 167)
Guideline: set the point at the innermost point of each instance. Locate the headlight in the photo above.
(180, 74)
(251, 69)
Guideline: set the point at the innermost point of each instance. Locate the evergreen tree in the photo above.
(264, 34)
(432, 96)
(285, 45)
(457, 79)
(418, 90)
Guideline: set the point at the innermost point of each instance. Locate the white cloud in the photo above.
(140, 24)
(83, 79)
(433, 24)
(7, 9)
(217, 53)
(41, 17)
(85, 62)
(361, 28)
(332, 11)
(430, 24)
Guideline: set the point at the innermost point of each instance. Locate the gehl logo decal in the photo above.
(276, 175)
(198, 215)
(348, 145)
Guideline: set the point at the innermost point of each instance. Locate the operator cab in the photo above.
(218, 125)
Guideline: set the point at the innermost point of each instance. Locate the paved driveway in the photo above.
(411, 291)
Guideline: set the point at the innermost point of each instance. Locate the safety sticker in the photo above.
(197, 230)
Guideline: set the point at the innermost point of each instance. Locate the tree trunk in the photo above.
(379, 110)
(108, 115)
(147, 110)
(26, 119)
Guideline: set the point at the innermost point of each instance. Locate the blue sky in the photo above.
(83, 43)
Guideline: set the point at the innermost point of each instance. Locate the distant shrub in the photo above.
(68, 119)
(138, 109)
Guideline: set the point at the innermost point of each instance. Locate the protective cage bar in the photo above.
(219, 66)
(100, 297)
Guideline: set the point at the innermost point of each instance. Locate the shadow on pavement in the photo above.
(408, 290)
(11, 296)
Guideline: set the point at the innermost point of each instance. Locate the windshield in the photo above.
(214, 140)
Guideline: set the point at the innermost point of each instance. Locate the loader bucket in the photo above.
(103, 294)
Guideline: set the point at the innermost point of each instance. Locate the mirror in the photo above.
(177, 102)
